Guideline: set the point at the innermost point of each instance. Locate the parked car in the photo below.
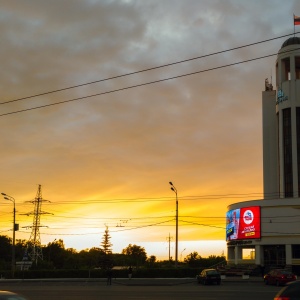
(289, 292)
(209, 276)
(279, 277)
(6, 295)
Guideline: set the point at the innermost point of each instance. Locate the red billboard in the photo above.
(243, 223)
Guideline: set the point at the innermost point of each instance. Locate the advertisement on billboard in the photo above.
(243, 223)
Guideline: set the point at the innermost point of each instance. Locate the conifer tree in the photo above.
(106, 244)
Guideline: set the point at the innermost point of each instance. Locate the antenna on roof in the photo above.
(271, 77)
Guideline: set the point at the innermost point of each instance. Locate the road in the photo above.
(117, 291)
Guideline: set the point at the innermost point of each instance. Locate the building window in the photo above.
(295, 251)
(274, 255)
(287, 152)
(298, 146)
(297, 67)
(286, 69)
(278, 159)
(277, 76)
(248, 253)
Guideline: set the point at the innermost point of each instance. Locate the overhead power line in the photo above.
(259, 195)
(146, 70)
(133, 86)
(138, 85)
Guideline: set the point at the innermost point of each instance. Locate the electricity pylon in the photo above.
(34, 248)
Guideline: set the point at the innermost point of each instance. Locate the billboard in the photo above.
(243, 223)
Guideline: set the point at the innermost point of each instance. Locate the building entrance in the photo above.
(274, 255)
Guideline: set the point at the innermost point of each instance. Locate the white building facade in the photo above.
(275, 241)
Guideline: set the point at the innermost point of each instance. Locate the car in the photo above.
(209, 276)
(6, 295)
(279, 277)
(289, 292)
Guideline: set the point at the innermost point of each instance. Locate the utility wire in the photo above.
(131, 87)
(117, 230)
(206, 225)
(184, 198)
(138, 85)
(148, 69)
(164, 199)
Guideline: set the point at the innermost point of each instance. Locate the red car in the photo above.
(279, 277)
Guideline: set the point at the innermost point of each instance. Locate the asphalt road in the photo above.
(120, 291)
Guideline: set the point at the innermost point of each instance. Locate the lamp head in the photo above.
(170, 182)
(3, 194)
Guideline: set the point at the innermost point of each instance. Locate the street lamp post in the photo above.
(173, 188)
(13, 260)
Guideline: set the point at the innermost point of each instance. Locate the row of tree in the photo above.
(56, 256)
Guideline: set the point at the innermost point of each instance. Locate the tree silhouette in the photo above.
(105, 261)
(136, 254)
(106, 244)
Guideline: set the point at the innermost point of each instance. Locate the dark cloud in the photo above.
(203, 131)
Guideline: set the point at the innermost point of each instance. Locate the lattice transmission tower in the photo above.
(34, 248)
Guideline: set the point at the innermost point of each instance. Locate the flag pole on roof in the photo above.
(296, 22)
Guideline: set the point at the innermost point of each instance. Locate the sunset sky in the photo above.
(106, 157)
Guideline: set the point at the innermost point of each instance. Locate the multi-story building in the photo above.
(267, 232)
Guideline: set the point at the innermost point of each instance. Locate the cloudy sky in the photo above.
(104, 139)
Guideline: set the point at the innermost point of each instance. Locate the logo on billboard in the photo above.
(248, 217)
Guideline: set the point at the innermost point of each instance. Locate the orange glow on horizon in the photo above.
(104, 143)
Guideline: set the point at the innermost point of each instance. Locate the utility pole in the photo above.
(15, 228)
(169, 241)
(173, 188)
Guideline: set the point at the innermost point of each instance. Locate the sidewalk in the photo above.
(178, 281)
(135, 281)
